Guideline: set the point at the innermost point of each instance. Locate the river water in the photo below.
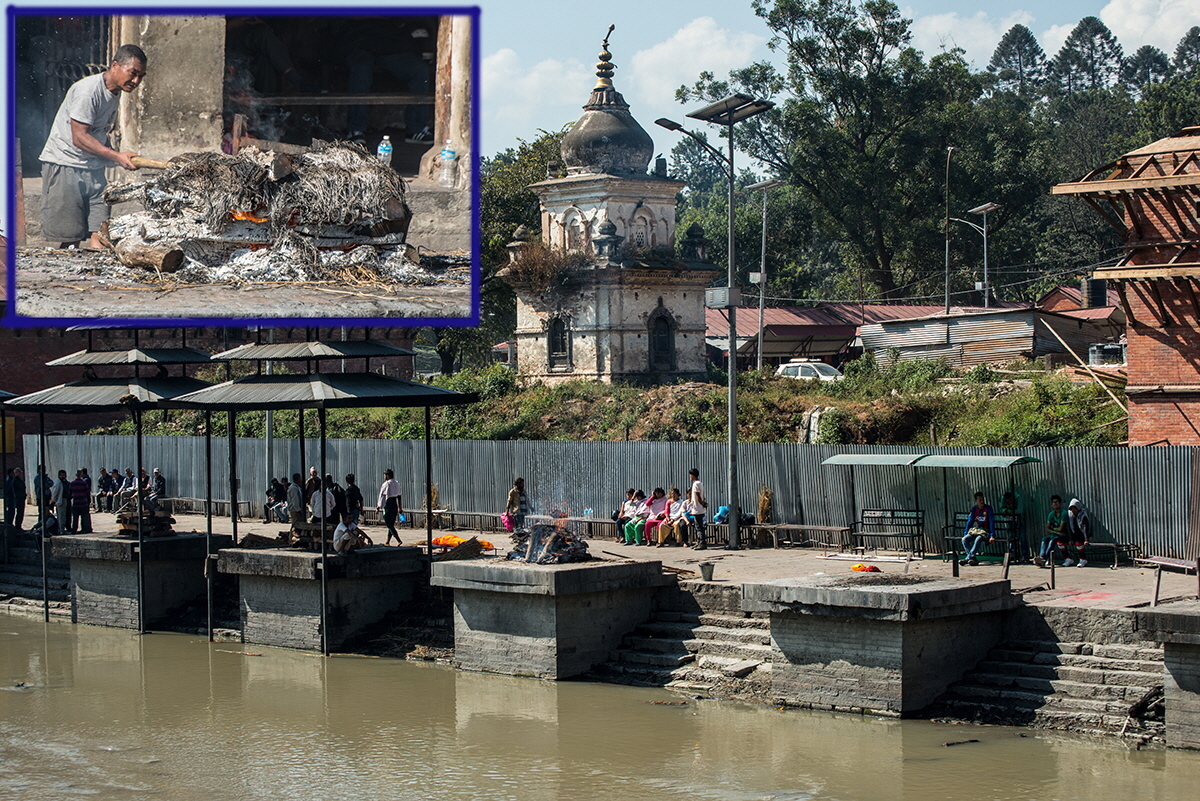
(101, 713)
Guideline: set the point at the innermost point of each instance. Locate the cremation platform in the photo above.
(104, 575)
(545, 621)
(280, 591)
(874, 643)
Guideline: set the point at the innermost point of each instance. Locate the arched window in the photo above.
(662, 341)
(558, 345)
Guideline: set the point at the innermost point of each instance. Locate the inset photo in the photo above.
(214, 169)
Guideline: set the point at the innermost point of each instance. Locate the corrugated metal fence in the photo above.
(1139, 495)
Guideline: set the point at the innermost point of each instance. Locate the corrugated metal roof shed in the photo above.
(902, 459)
(995, 335)
(968, 460)
(317, 391)
(103, 394)
(134, 356)
(309, 351)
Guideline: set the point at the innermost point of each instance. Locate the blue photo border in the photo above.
(13, 319)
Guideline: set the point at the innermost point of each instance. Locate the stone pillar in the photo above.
(177, 109)
(1177, 627)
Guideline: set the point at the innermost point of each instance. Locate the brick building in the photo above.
(1152, 197)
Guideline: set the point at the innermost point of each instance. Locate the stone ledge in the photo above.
(873, 597)
(1176, 623)
(124, 549)
(570, 579)
(369, 562)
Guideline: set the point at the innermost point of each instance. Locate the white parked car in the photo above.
(808, 369)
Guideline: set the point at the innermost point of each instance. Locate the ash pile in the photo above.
(331, 213)
(544, 544)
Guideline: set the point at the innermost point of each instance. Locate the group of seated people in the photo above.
(1067, 532)
(646, 521)
(114, 490)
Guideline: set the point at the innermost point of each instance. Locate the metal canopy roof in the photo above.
(308, 351)
(902, 459)
(317, 391)
(967, 460)
(103, 394)
(134, 356)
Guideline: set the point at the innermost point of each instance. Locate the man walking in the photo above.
(389, 504)
(77, 152)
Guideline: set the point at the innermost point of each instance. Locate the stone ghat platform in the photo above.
(280, 591)
(104, 575)
(888, 644)
(545, 621)
(1177, 628)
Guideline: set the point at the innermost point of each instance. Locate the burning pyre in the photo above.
(267, 216)
(544, 544)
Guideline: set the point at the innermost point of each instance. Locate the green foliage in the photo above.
(980, 374)
(864, 379)
(1053, 412)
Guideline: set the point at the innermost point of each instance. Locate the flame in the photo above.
(247, 216)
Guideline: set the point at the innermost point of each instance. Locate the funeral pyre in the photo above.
(544, 544)
(333, 212)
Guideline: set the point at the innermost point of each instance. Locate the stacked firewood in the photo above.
(154, 524)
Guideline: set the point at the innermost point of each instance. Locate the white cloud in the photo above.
(701, 45)
(1052, 38)
(1161, 23)
(977, 34)
(516, 99)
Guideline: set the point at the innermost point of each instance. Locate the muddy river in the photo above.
(100, 713)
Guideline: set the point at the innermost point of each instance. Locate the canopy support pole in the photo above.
(141, 534)
(43, 540)
(428, 487)
(210, 566)
(324, 544)
(230, 420)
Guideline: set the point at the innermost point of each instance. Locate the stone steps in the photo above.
(1058, 685)
(695, 652)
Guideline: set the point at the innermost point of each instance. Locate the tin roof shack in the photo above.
(968, 338)
(1150, 196)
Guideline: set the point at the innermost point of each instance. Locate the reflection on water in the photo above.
(106, 714)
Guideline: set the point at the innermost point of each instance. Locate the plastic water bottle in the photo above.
(385, 151)
(449, 166)
(587, 512)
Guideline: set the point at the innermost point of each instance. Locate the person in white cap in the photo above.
(1079, 532)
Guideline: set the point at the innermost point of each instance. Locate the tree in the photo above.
(1148, 65)
(1091, 58)
(1019, 63)
(1187, 53)
(1167, 107)
(861, 128)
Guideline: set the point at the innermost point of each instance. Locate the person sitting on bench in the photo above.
(981, 525)
(1078, 532)
(1055, 539)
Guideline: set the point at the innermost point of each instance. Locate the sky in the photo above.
(538, 59)
(538, 69)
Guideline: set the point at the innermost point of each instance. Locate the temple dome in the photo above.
(606, 138)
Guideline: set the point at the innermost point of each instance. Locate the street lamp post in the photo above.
(762, 269)
(949, 153)
(728, 111)
(982, 229)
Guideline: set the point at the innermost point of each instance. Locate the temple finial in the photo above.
(605, 67)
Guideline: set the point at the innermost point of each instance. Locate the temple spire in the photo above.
(605, 67)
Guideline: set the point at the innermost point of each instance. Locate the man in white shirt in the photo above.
(77, 152)
(322, 504)
(389, 504)
(699, 507)
(348, 536)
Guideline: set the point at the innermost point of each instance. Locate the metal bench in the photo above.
(886, 528)
(1161, 563)
(1006, 533)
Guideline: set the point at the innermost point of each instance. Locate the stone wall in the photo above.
(104, 592)
(1182, 692)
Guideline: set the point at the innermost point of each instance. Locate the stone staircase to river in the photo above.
(1073, 686)
(21, 578)
(711, 653)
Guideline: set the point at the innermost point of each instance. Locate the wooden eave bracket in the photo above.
(1133, 321)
